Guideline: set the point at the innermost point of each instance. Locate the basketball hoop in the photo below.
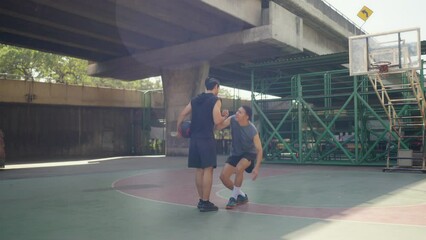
(382, 66)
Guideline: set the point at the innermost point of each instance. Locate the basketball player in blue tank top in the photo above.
(205, 111)
(246, 154)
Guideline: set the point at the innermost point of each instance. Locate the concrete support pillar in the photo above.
(180, 85)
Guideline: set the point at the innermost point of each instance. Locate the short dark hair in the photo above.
(248, 110)
(211, 82)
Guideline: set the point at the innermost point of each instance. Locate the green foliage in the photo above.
(39, 66)
(226, 93)
(24, 64)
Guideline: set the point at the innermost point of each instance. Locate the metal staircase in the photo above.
(403, 100)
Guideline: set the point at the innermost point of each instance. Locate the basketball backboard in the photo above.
(385, 52)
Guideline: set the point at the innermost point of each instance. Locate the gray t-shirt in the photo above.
(242, 138)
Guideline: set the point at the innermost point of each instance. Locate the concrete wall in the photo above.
(17, 91)
(69, 121)
(53, 131)
(61, 94)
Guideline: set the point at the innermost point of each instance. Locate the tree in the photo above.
(225, 93)
(23, 64)
(62, 69)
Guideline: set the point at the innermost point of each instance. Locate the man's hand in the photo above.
(225, 113)
(254, 174)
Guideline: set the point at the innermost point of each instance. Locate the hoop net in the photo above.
(382, 66)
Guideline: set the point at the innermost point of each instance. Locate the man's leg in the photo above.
(237, 193)
(199, 175)
(239, 171)
(225, 175)
(207, 183)
(235, 186)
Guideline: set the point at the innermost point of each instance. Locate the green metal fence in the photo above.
(324, 118)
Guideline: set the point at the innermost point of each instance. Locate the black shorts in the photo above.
(233, 160)
(202, 153)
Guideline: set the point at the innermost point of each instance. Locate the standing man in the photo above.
(246, 154)
(205, 109)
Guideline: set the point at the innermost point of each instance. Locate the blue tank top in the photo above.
(202, 123)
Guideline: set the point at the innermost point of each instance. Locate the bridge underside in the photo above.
(131, 40)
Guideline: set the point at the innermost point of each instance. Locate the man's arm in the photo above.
(224, 124)
(259, 155)
(218, 118)
(185, 112)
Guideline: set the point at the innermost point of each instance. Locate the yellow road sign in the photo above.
(365, 13)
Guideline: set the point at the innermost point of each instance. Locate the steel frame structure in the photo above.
(325, 118)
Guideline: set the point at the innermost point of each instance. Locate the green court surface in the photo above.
(154, 198)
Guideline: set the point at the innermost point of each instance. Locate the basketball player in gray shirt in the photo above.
(246, 154)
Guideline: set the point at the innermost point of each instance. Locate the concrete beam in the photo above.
(319, 15)
(315, 41)
(151, 63)
(314, 18)
(248, 11)
(286, 29)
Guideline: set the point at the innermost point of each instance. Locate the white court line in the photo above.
(68, 163)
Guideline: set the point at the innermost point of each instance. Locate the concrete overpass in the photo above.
(183, 41)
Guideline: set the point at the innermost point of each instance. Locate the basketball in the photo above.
(185, 129)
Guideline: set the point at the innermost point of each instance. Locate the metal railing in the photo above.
(344, 16)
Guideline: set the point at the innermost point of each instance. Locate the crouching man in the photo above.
(246, 154)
